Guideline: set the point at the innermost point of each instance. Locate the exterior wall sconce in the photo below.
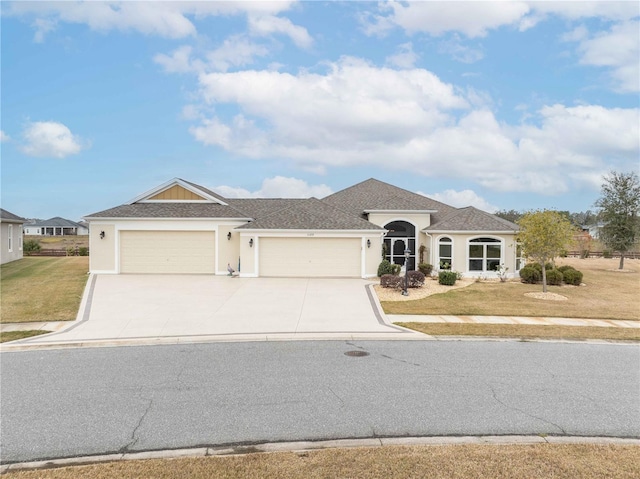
(101, 234)
(368, 243)
(251, 243)
(229, 235)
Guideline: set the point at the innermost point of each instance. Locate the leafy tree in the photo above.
(510, 215)
(619, 204)
(543, 236)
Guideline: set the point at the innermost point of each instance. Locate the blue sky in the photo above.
(498, 105)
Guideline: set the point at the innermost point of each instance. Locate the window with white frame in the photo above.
(520, 260)
(10, 238)
(485, 254)
(445, 253)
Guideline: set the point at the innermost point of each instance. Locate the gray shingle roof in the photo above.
(170, 210)
(9, 217)
(57, 221)
(259, 207)
(311, 214)
(472, 219)
(373, 194)
(206, 190)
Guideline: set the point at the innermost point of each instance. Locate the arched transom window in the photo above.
(485, 254)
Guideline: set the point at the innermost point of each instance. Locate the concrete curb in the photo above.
(302, 446)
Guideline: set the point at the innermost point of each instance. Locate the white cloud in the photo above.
(165, 19)
(277, 187)
(179, 61)
(50, 139)
(461, 199)
(265, 25)
(4, 137)
(475, 19)
(619, 49)
(235, 51)
(409, 120)
(460, 52)
(405, 58)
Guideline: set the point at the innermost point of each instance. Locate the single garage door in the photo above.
(310, 257)
(167, 252)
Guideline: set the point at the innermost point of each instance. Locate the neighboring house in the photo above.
(182, 227)
(56, 227)
(10, 236)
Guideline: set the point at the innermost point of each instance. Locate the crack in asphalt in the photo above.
(134, 439)
(342, 405)
(513, 408)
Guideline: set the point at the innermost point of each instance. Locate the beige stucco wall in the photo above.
(228, 250)
(373, 255)
(420, 220)
(460, 260)
(7, 256)
(248, 254)
(102, 252)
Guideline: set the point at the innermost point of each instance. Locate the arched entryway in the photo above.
(401, 235)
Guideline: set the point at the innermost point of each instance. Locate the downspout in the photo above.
(430, 248)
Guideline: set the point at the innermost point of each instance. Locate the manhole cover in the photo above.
(356, 354)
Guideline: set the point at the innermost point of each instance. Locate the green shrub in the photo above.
(530, 274)
(386, 267)
(425, 268)
(83, 251)
(549, 266)
(448, 278)
(565, 267)
(554, 277)
(71, 251)
(31, 246)
(607, 254)
(415, 279)
(572, 276)
(391, 281)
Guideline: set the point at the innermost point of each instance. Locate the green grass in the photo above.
(42, 288)
(525, 331)
(15, 335)
(606, 295)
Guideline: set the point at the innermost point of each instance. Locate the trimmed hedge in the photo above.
(447, 278)
(565, 267)
(391, 281)
(554, 277)
(386, 267)
(530, 274)
(425, 268)
(415, 279)
(573, 276)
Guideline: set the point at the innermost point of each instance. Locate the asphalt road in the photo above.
(62, 403)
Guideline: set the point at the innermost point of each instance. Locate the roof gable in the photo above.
(472, 219)
(375, 195)
(178, 190)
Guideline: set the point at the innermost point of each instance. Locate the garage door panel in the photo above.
(174, 252)
(310, 257)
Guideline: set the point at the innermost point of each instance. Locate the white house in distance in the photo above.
(10, 236)
(55, 227)
(182, 227)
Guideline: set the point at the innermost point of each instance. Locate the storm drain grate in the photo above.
(356, 354)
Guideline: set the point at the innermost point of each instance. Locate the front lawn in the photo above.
(15, 335)
(607, 294)
(42, 288)
(570, 461)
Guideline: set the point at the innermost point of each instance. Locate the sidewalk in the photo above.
(540, 321)
(406, 318)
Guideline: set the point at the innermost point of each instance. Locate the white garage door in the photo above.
(167, 252)
(310, 257)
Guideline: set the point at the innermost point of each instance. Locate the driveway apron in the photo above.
(157, 306)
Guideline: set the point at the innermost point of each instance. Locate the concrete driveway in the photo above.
(152, 307)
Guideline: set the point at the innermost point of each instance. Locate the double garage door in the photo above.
(310, 257)
(176, 252)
